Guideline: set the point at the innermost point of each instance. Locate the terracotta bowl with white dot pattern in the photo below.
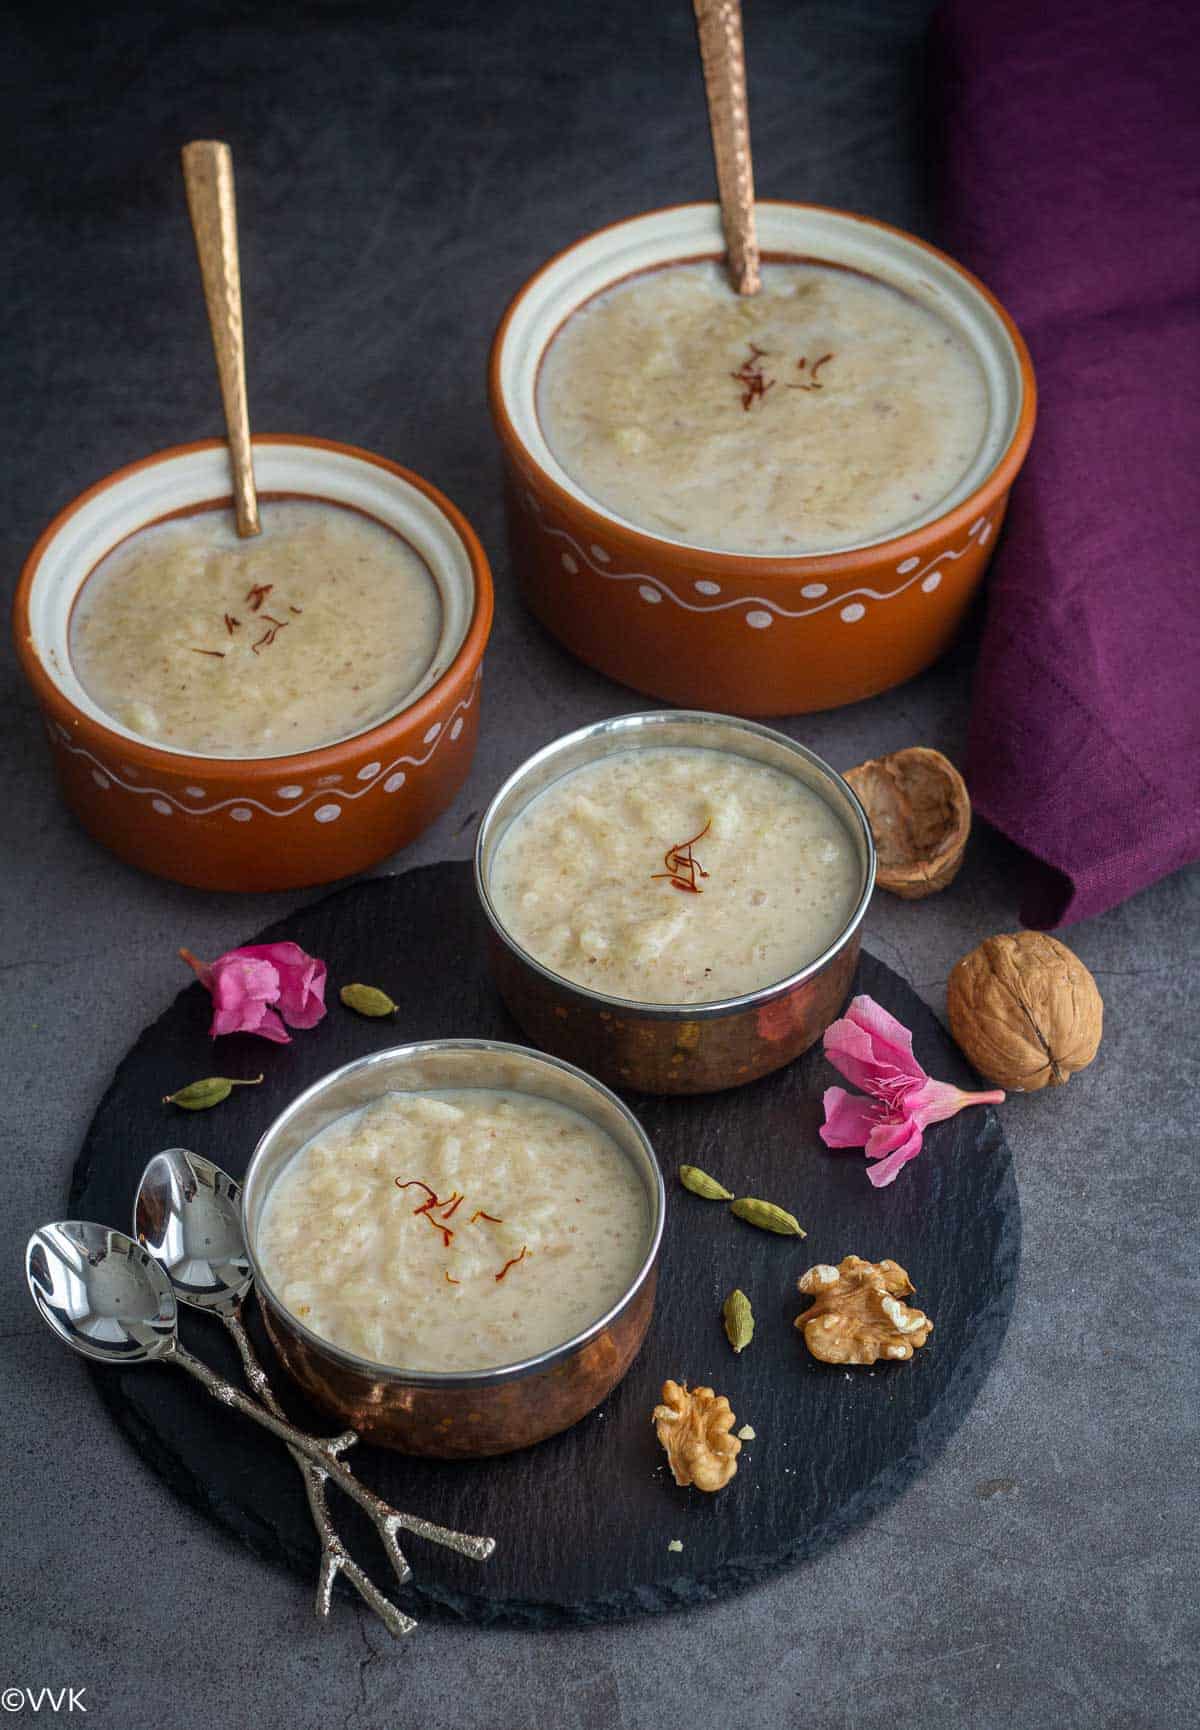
(267, 822)
(755, 633)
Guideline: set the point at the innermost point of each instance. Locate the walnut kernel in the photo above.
(856, 1316)
(1025, 1011)
(693, 1426)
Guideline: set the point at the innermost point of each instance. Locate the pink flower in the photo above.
(874, 1050)
(245, 983)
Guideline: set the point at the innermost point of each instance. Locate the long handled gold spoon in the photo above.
(208, 177)
(719, 23)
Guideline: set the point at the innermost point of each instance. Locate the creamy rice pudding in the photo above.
(461, 1230)
(825, 411)
(675, 875)
(310, 632)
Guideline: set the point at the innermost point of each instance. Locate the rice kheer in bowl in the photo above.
(319, 627)
(824, 411)
(458, 1230)
(264, 713)
(760, 878)
(675, 898)
(760, 504)
(455, 1244)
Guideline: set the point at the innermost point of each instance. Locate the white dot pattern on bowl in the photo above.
(369, 771)
(648, 593)
(327, 813)
(853, 612)
(394, 782)
(161, 806)
(758, 620)
(241, 813)
(291, 791)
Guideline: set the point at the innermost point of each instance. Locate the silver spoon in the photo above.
(109, 1300)
(186, 1214)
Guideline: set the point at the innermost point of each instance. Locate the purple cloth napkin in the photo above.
(1070, 161)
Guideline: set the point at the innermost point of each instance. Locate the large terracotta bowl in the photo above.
(752, 634)
(265, 822)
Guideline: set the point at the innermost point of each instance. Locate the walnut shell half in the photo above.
(1025, 1011)
(920, 815)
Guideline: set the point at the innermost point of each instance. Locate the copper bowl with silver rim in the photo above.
(673, 1047)
(458, 1414)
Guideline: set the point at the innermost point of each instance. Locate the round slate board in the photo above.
(583, 1521)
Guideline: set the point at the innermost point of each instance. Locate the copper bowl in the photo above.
(673, 1047)
(458, 1415)
(279, 822)
(770, 633)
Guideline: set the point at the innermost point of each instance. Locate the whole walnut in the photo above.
(1025, 1011)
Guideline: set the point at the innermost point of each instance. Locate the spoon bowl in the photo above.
(101, 1292)
(187, 1215)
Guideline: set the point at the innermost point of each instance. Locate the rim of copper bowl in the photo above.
(642, 542)
(501, 1372)
(722, 1006)
(470, 651)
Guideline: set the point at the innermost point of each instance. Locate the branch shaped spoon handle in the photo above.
(464, 1543)
(208, 178)
(386, 1520)
(722, 53)
(335, 1558)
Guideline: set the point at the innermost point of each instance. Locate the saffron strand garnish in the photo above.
(750, 376)
(231, 624)
(418, 1183)
(456, 1202)
(479, 1214)
(217, 654)
(256, 594)
(513, 1262)
(270, 634)
(450, 1277)
(447, 1234)
(682, 866)
(814, 382)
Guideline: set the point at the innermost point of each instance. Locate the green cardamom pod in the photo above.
(739, 1320)
(367, 1000)
(766, 1216)
(699, 1182)
(199, 1095)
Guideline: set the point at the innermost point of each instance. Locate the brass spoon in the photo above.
(208, 177)
(719, 23)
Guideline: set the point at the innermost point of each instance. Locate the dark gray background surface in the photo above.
(401, 169)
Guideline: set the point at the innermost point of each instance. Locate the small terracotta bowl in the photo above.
(459, 1415)
(754, 634)
(673, 1047)
(265, 822)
